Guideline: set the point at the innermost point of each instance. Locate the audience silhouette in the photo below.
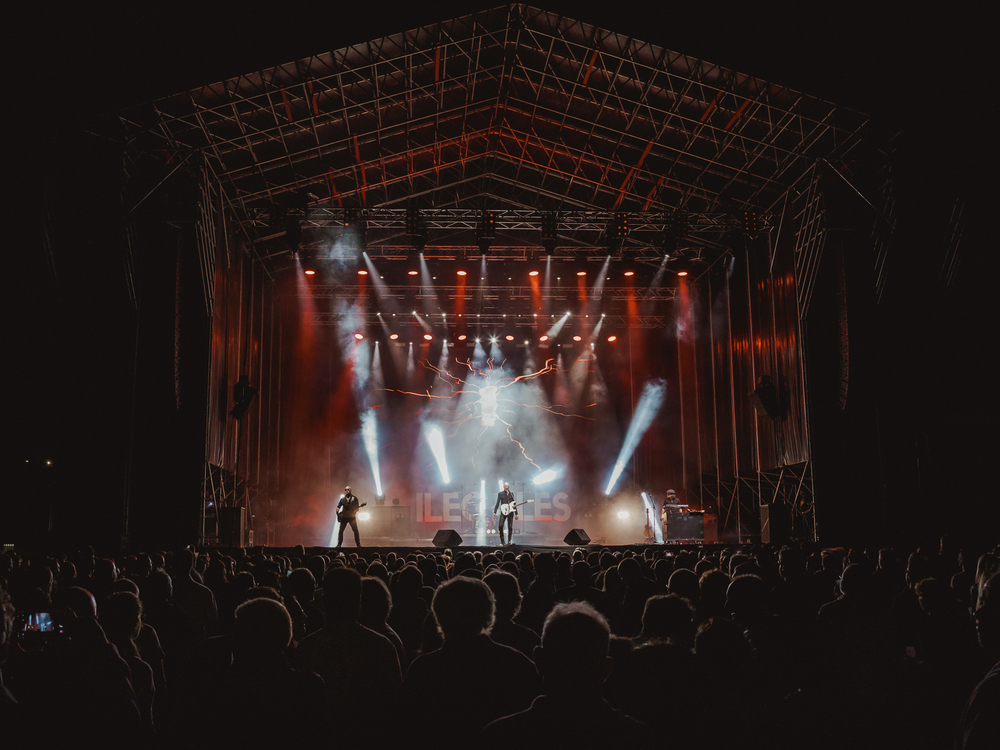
(762, 646)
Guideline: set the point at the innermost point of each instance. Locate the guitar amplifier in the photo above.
(687, 527)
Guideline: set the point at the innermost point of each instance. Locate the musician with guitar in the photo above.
(347, 513)
(508, 512)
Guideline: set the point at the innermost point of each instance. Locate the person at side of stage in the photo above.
(347, 512)
(505, 497)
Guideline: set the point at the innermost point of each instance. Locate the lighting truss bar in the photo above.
(513, 293)
(489, 320)
(525, 220)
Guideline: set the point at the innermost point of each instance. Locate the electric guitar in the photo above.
(648, 531)
(507, 508)
(340, 513)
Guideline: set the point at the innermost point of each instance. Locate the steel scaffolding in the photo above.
(520, 112)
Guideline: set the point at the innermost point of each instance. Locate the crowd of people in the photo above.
(800, 646)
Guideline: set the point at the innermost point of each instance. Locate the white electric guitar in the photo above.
(507, 508)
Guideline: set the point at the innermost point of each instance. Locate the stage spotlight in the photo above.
(612, 338)
(578, 338)
(622, 515)
(616, 232)
(413, 273)
(428, 337)
(416, 230)
(630, 273)
(493, 339)
(546, 476)
(550, 232)
(674, 231)
(462, 337)
(543, 338)
(682, 273)
(462, 273)
(393, 336)
(581, 273)
(486, 231)
(413, 221)
(532, 273)
(509, 337)
(359, 336)
(310, 272)
(362, 272)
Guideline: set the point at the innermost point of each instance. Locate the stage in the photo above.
(426, 547)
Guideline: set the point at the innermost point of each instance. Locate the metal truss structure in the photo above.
(498, 307)
(739, 502)
(450, 233)
(516, 111)
(223, 488)
(513, 109)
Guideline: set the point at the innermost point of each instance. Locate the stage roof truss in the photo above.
(515, 108)
(450, 234)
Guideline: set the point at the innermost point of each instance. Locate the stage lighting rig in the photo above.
(616, 231)
(550, 231)
(681, 266)
(416, 230)
(486, 231)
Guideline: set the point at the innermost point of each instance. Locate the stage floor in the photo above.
(403, 548)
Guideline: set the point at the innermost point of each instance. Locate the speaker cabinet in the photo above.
(233, 527)
(447, 538)
(774, 524)
(577, 537)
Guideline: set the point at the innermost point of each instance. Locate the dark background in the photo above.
(914, 451)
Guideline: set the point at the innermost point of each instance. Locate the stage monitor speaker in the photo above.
(447, 538)
(233, 527)
(577, 537)
(774, 524)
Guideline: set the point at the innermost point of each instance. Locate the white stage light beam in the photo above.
(649, 404)
(435, 439)
(370, 435)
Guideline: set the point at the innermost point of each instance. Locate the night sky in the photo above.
(929, 74)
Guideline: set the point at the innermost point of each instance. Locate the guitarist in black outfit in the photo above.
(347, 513)
(506, 496)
